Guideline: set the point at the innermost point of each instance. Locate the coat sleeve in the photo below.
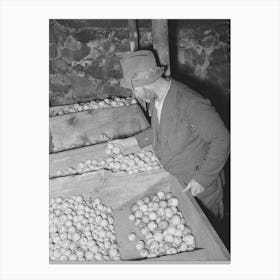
(144, 138)
(211, 128)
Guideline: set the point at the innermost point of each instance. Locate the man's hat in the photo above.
(139, 69)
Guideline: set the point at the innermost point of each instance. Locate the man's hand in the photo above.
(194, 187)
(126, 145)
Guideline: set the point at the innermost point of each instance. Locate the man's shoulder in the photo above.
(185, 95)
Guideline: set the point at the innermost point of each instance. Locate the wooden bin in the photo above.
(90, 127)
(120, 191)
(71, 158)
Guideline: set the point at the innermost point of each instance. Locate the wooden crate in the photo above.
(120, 191)
(82, 128)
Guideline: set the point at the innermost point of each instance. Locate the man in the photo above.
(188, 136)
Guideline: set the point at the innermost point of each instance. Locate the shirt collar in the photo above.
(157, 103)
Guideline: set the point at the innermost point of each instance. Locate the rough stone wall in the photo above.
(85, 59)
(200, 57)
(202, 50)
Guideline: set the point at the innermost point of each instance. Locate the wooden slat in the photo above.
(116, 190)
(88, 126)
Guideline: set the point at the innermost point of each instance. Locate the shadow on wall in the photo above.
(200, 58)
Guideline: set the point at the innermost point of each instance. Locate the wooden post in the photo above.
(160, 42)
(133, 35)
(134, 45)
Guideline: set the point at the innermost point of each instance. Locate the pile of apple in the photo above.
(116, 162)
(81, 230)
(94, 105)
(162, 225)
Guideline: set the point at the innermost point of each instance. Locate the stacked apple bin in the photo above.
(109, 206)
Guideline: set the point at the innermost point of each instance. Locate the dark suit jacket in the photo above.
(191, 140)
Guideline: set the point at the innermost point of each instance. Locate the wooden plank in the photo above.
(116, 190)
(120, 191)
(83, 128)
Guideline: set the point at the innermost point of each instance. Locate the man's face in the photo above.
(145, 93)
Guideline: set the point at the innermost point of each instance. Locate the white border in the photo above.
(255, 137)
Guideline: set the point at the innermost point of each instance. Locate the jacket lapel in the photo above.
(167, 113)
(152, 112)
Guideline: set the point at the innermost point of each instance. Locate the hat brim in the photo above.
(124, 83)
